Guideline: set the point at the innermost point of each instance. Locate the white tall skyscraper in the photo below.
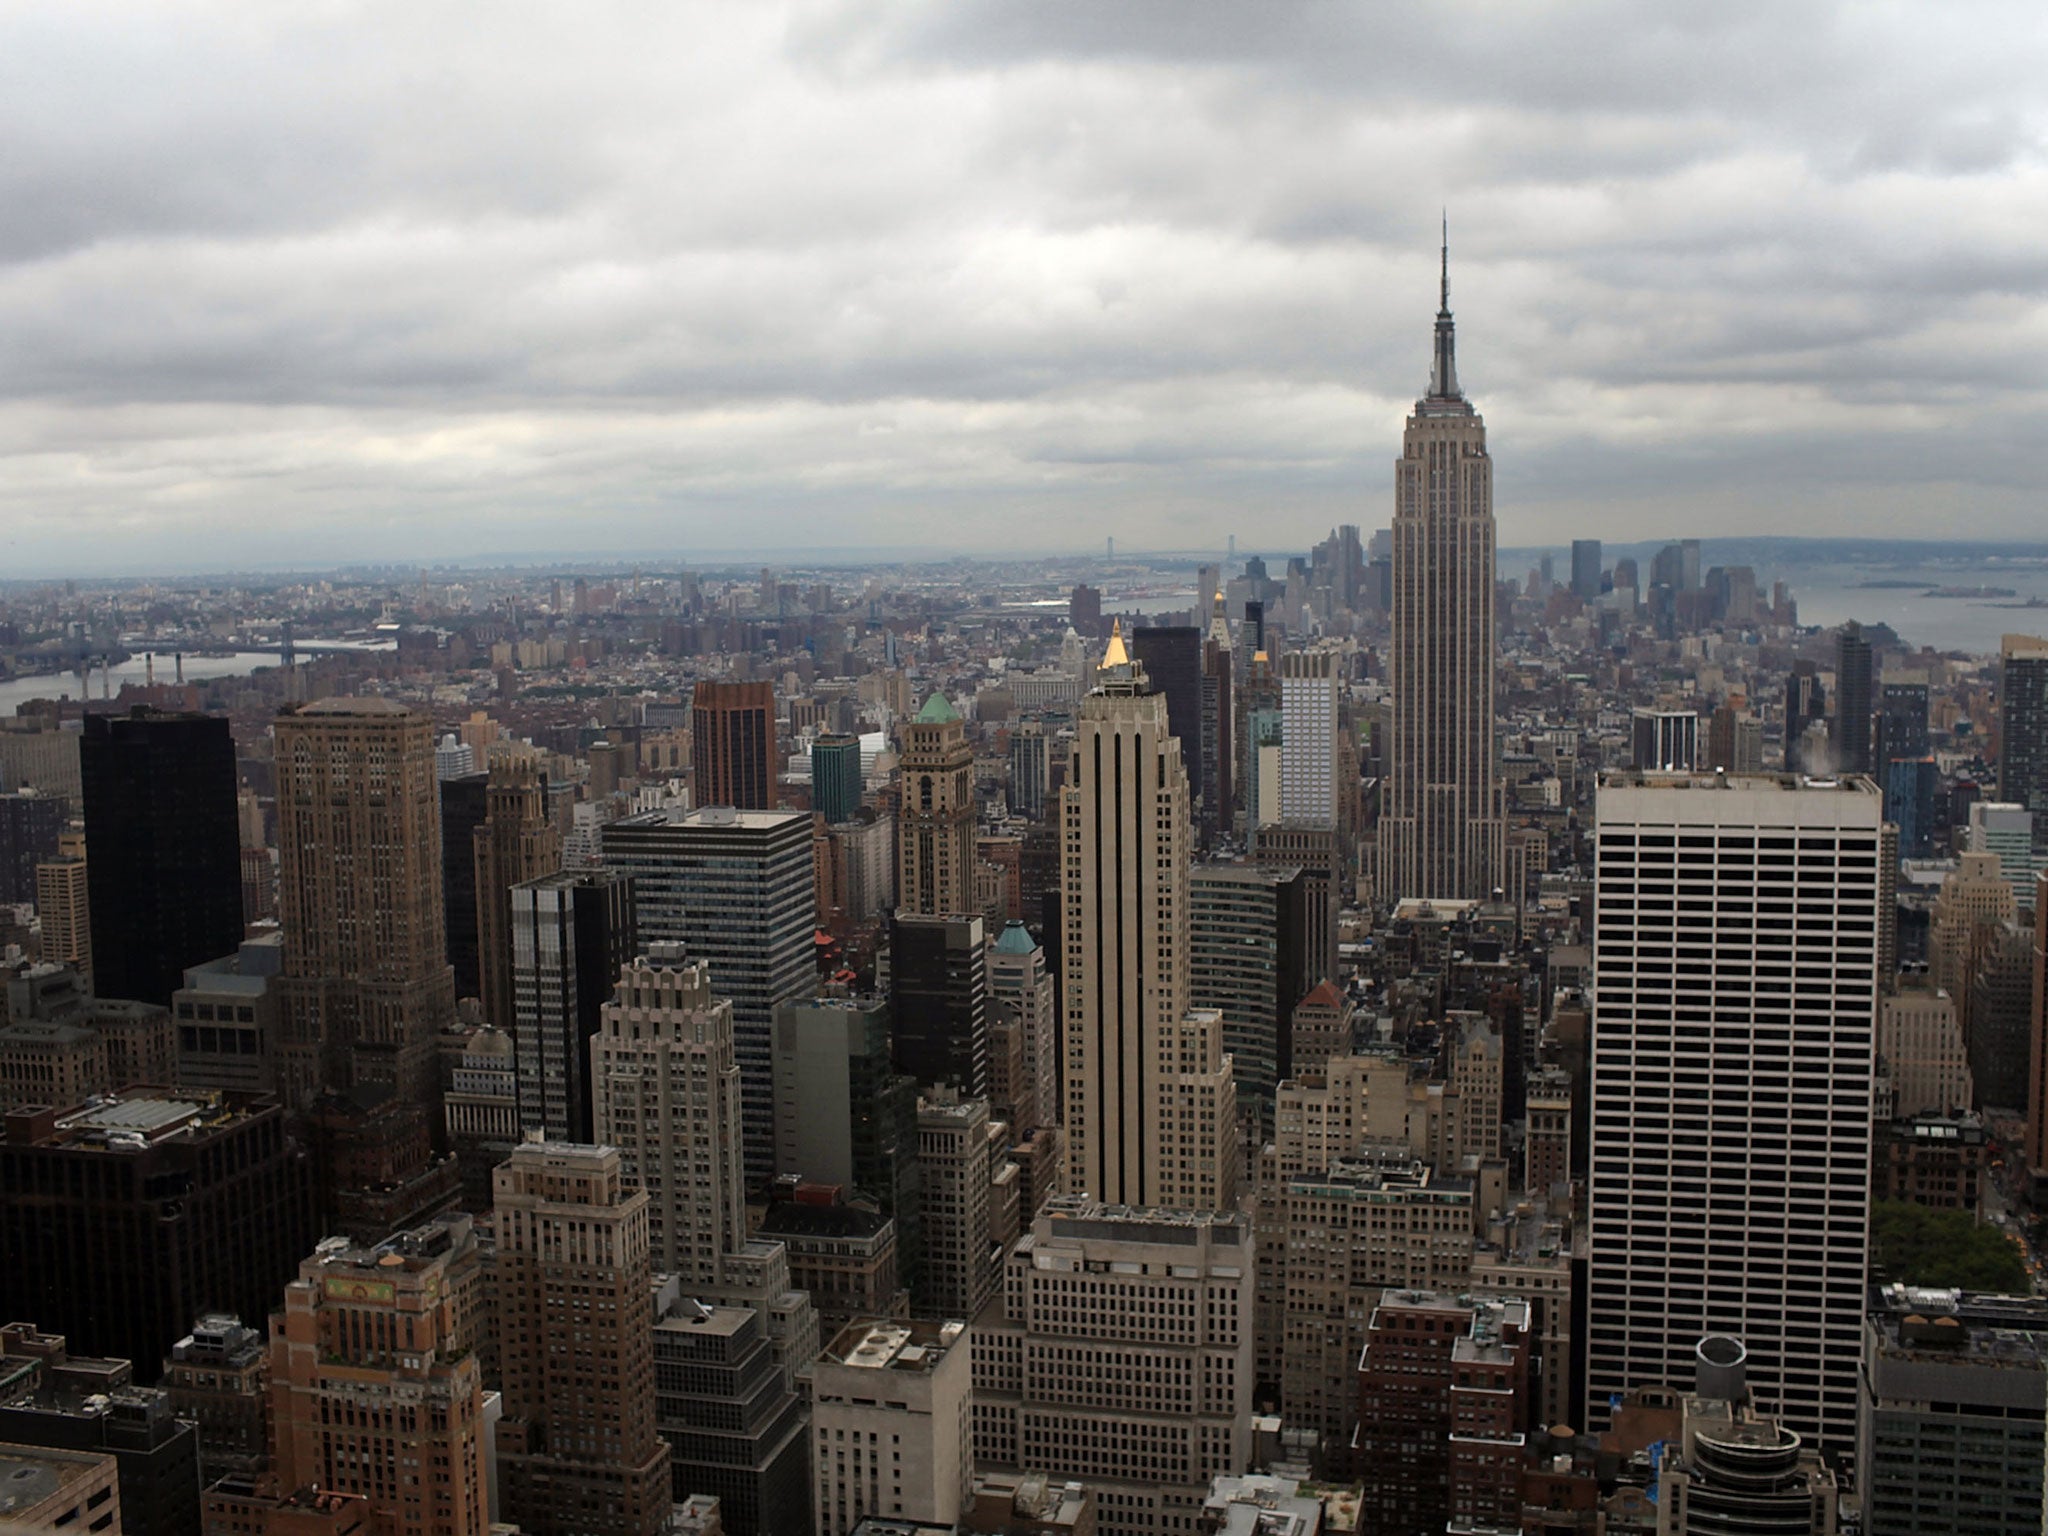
(1151, 1108)
(1309, 686)
(665, 1082)
(1734, 1032)
(1442, 834)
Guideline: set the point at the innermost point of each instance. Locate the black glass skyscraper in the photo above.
(163, 848)
(1171, 655)
(1852, 701)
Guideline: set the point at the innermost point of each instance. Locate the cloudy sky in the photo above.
(320, 281)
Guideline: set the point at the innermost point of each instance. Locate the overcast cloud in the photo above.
(319, 281)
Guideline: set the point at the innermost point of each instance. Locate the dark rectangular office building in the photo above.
(164, 847)
(1171, 655)
(938, 983)
(122, 1223)
(464, 804)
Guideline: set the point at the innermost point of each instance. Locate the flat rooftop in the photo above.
(887, 1344)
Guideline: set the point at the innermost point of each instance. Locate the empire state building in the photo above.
(1441, 835)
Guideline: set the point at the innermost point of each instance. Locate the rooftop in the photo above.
(353, 704)
(912, 1344)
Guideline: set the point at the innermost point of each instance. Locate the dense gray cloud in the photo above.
(405, 280)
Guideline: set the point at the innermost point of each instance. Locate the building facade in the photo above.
(666, 1080)
(164, 844)
(572, 934)
(1120, 1354)
(1441, 833)
(1151, 1109)
(577, 1448)
(735, 889)
(935, 825)
(1735, 1013)
(367, 988)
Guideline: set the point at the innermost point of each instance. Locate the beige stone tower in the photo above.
(367, 987)
(1442, 834)
(516, 843)
(935, 836)
(1149, 1119)
(665, 1090)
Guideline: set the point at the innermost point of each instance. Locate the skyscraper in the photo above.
(938, 986)
(935, 832)
(124, 1219)
(732, 744)
(572, 934)
(2023, 728)
(1250, 954)
(577, 1447)
(367, 987)
(835, 777)
(375, 1384)
(465, 800)
(516, 843)
(1902, 721)
(29, 823)
(164, 845)
(666, 1080)
(1806, 704)
(1030, 769)
(1020, 988)
(1442, 834)
(736, 890)
(1734, 1034)
(1151, 1109)
(1586, 569)
(1309, 689)
(64, 905)
(1171, 655)
(1852, 700)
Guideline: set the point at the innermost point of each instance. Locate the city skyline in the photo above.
(270, 300)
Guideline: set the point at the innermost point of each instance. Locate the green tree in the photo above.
(1917, 1246)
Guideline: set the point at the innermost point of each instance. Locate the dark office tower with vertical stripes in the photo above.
(1852, 701)
(732, 744)
(164, 848)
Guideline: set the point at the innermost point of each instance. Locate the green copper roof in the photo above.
(937, 711)
(1016, 940)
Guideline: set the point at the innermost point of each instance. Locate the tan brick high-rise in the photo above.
(374, 1380)
(935, 832)
(1442, 835)
(367, 987)
(517, 842)
(1151, 1108)
(577, 1448)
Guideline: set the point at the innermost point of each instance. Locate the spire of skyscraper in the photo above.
(1443, 375)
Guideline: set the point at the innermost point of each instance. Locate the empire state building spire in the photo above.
(1443, 373)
